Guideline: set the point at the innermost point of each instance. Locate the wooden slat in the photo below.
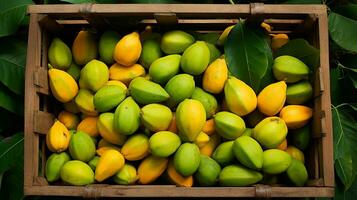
(41, 80)
(42, 122)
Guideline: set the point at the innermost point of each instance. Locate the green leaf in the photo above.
(349, 10)
(11, 15)
(345, 141)
(12, 63)
(268, 77)
(11, 164)
(343, 31)
(246, 54)
(348, 62)
(338, 80)
(10, 122)
(300, 48)
(11, 101)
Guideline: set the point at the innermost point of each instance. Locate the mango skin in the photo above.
(289, 69)
(176, 178)
(176, 41)
(163, 69)
(59, 54)
(82, 147)
(146, 92)
(187, 159)
(164, 143)
(127, 51)
(156, 117)
(297, 173)
(84, 102)
(94, 75)
(238, 176)
(202, 139)
(127, 175)
(151, 51)
(136, 147)
(272, 98)
(54, 164)
(195, 59)
(223, 154)
(89, 126)
(77, 173)
(127, 117)
(105, 126)
(208, 149)
(208, 101)
(213, 51)
(74, 70)
(295, 153)
(108, 97)
(125, 74)
(70, 120)
(248, 152)
(179, 87)
(84, 47)
(215, 76)
(208, 171)
(107, 43)
(300, 137)
(190, 119)
(275, 161)
(151, 168)
(94, 162)
(108, 165)
(270, 132)
(296, 116)
(63, 87)
(58, 137)
(229, 125)
(299, 93)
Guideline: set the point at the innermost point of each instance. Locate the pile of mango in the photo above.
(163, 107)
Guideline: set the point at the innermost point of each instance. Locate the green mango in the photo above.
(150, 52)
(223, 154)
(77, 173)
(208, 101)
(127, 175)
(297, 173)
(238, 176)
(214, 52)
(127, 117)
(108, 97)
(196, 58)
(84, 102)
(289, 69)
(82, 147)
(208, 37)
(94, 162)
(94, 74)
(300, 137)
(176, 41)
(299, 93)
(74, 70)
(156, 117)
(145, 92)
(270, 132)
(163, 69)
(54, 165)
(248, 152)
(107, 42)
(59, 54)
(208, 171)
(229, 125)
(179, 87)
(187, 159)
(164, 143)
(275, 161)
(247, 132)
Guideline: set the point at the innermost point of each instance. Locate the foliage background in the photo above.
(343, 62)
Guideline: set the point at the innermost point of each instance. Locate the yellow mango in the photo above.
(105, 126)
(176, 178)
(266, 26)
(151, 168)
(209, 127)
(84, 47)
(118, 83)
(209, 148)
(173, 125)
(84, 102)
(63, 86)
(272, 98)
(70, 120)
(296, 116)
(101, 150)
(128, 49)
(125, 74)
(223, 37)
(202, 139)
(295, 153)
(58, 137)
(284, 145)
(215, 76)
(136, 147)
(108, 165)
(89, 126)
(278, 40)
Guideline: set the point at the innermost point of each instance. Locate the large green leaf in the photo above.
(345, 141)
(10, 122)
(11, 164)
(12, 63)
(246, 54)
(348, 62)
(11, 101)
(338, 80)
(11, 15)
(349, 10)
(300, 48)
(343, 31)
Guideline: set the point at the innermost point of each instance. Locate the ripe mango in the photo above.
(151, 51)
(81, 147)
(63, 87)
(248, 132)
(127, 51)
(59, 54)
(136, 147)
(118, 83)
(163, 69)
(179, 87)
(278, 40)
(70, 120)
(176, 41)
(84, 47)
(296, 153)
(270, 132)
(94, 162)
(146, 92)
(58, 137)
(284, 145)
(208, 101)
(195, 59)
(289, 69)
(100, 151)
(297, 173)
(223, 37)
(240, 98)
(224, 153)
(71, 106)
(202, 139)
(151, 168)
(173, 126)
(127, 117)
(127, 175)
(187, 159)
(214, 53)
(89, 126)
(94, 75)
(238, 176)
(272, 98)
(108, 165)
(164, 143)
(76, 172)
(190, 119)
(300, 137)
(208, 171)
(156, 117)
(208, 149)
(275, 161)
(215, 76)
(229, 125)
(296, 116)
(248, 152)
(108, 97)
(176, 178)
(54, 164)
(105, 126)
(107, 43)
(84, 101)
(299, 93)
(125, 74)
(209, 127)
(74, 70)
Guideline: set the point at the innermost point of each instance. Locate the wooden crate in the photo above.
(309, 21)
